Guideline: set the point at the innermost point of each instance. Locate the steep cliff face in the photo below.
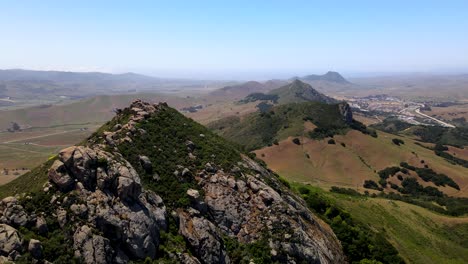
(154, 184)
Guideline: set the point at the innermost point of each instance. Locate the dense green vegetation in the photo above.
(370, 184)
(360, 243)
(392, 125)
(264, 107)
(57, 240)
(425, 174)
(452, 159)
(438, 179)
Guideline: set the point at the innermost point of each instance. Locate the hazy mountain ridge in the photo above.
(330, 76)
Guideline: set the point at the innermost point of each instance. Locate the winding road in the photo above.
(418, 111)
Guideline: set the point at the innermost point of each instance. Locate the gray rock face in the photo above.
(247, 209)
(203, 238)
(90, 247)
(10, 242)
(135, 227)
(112, 199)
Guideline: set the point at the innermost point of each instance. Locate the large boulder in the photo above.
(146, 164)
(58, 174)
(10, 241)
(35, 248)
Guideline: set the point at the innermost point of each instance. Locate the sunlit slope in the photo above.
(357, 159)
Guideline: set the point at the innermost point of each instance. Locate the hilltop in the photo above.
(294, 92)
(330, 76)
(239, 91)
(312, 119)
(153, 184)
(299, 91)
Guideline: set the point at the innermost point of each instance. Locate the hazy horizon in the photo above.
(241, 40)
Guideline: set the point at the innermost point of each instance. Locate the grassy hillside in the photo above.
(419, 235)
(260, 129)
(354, 158)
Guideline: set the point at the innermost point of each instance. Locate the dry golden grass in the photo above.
(360, 159)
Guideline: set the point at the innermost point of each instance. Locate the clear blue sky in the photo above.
(238, 39)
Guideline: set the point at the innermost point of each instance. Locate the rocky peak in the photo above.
(152, 183)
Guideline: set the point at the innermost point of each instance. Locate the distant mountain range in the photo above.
(62, 76)
(26, 87)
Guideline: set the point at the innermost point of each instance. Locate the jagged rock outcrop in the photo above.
(106, 198)
(12, 213)
(111, 196)
(346, 113)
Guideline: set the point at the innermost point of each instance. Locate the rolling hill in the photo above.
(260, 129)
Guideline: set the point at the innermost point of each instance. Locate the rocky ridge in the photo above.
(103, 197)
